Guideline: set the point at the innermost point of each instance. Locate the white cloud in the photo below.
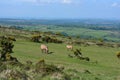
(42, 2)
(55, 1)
(47, 1)
(27, 0)
(115, 4)
(67, 1)
(23, 1)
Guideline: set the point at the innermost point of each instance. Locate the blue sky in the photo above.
(55, 9)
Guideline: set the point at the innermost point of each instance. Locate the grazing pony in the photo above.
(44, 48)
(69, 47)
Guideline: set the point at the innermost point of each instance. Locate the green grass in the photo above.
(106, 68)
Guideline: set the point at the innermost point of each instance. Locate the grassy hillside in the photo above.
(103, 64)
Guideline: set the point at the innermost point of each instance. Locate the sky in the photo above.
(60, 9)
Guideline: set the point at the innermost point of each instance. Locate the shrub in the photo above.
(78, 54)
(35, 38)
(6, 44)
(51, 40)
(118, 54)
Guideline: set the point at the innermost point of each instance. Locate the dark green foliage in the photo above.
(46, 39)
(118, 55)
(87, 71)
(6, 44)
(35, 38)
(78, 54)
(87, 58)
(51, 40)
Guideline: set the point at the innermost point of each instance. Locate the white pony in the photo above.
(69, 47)
(44, 48)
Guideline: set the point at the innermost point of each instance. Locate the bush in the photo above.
(118, 55)
(35, 38)
(6, 44)
(51, 40)
(78, 54)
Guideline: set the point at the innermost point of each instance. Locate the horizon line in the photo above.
(29, 18)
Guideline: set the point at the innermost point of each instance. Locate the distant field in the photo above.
(84, 28)
(103, 61)
(78, 31)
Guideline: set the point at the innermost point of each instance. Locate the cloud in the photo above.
(55, 1)
(115, 4)
(67, 1)
(18, 1)
(46, 1)
(40, 2)
(26, 0)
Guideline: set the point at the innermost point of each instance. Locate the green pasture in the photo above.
(103, 64)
